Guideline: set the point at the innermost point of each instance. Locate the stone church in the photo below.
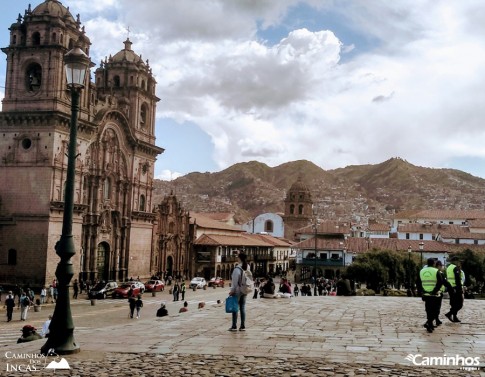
(298, 208)
(113, 217)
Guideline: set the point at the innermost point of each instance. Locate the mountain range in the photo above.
(358, 192)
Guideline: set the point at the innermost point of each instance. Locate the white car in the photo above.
(198, 283)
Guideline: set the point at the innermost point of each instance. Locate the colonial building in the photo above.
(113, 216)
(322, 250)
(216, 254)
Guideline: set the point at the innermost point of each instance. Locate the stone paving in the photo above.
(303, 336)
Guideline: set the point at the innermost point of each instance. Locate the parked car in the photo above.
(154, 286)
(123, 290)
(198, 283)
(216, 282)
(103, 289)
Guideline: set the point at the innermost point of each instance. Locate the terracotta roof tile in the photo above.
(206, 222)
(230, 240)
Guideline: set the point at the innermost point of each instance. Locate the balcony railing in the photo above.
(323, 262)
(264, 257)
(229, 258)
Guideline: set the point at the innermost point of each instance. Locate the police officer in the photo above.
(446, 285)
(431, 282)
(456, 278)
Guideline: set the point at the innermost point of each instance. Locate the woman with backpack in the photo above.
(240, 275)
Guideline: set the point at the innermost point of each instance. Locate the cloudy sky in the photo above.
(334, 82)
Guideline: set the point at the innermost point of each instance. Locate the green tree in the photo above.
(473, 264)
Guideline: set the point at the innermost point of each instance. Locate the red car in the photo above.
(154, 286)
(216, 282)
(123, 290)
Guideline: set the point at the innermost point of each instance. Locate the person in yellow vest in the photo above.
(431, 282)
(456, 278)
(446, 285)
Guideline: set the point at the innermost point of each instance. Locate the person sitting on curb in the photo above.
(45, 327)
(162, 311)
(269, 288)
(29, 333)
(184, 308)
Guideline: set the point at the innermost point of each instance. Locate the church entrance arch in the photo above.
(170, 266)
(102, 261)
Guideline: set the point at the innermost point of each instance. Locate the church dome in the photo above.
(127, 54)
(52, 8)
(299, 186)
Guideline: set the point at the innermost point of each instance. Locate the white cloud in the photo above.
(416, 94)
(168, 175)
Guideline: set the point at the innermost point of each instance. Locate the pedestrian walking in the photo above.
(24, 306)
(132, 304)
(176, 290)
(50, 294)
(10, 305)
(296, 290)
(43, 294)
(456, 278)
(236, 282)
(430, 283)
(182, 290)
(75, 288)
(138, 305)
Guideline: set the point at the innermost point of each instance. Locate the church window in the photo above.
(26, 143)
(300, 209)
(143, 115)
(36, 38)
(54, 38)
(142, 203)
(116, 81)
(268, 226)
(292, 209)
(71, 45)
(107, 189)
(34, 77)
(143, 84)
(14, 40)
(12, 257)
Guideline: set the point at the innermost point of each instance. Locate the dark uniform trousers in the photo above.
(431, 305)
(456, 301)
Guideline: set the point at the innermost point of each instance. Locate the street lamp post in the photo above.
(409, 267)
(61, 329)
(421, 247)
(315, 260)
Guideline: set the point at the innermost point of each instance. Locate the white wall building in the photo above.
(266, 223)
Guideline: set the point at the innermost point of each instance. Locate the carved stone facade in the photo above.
(113, 218)
(174, 237)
